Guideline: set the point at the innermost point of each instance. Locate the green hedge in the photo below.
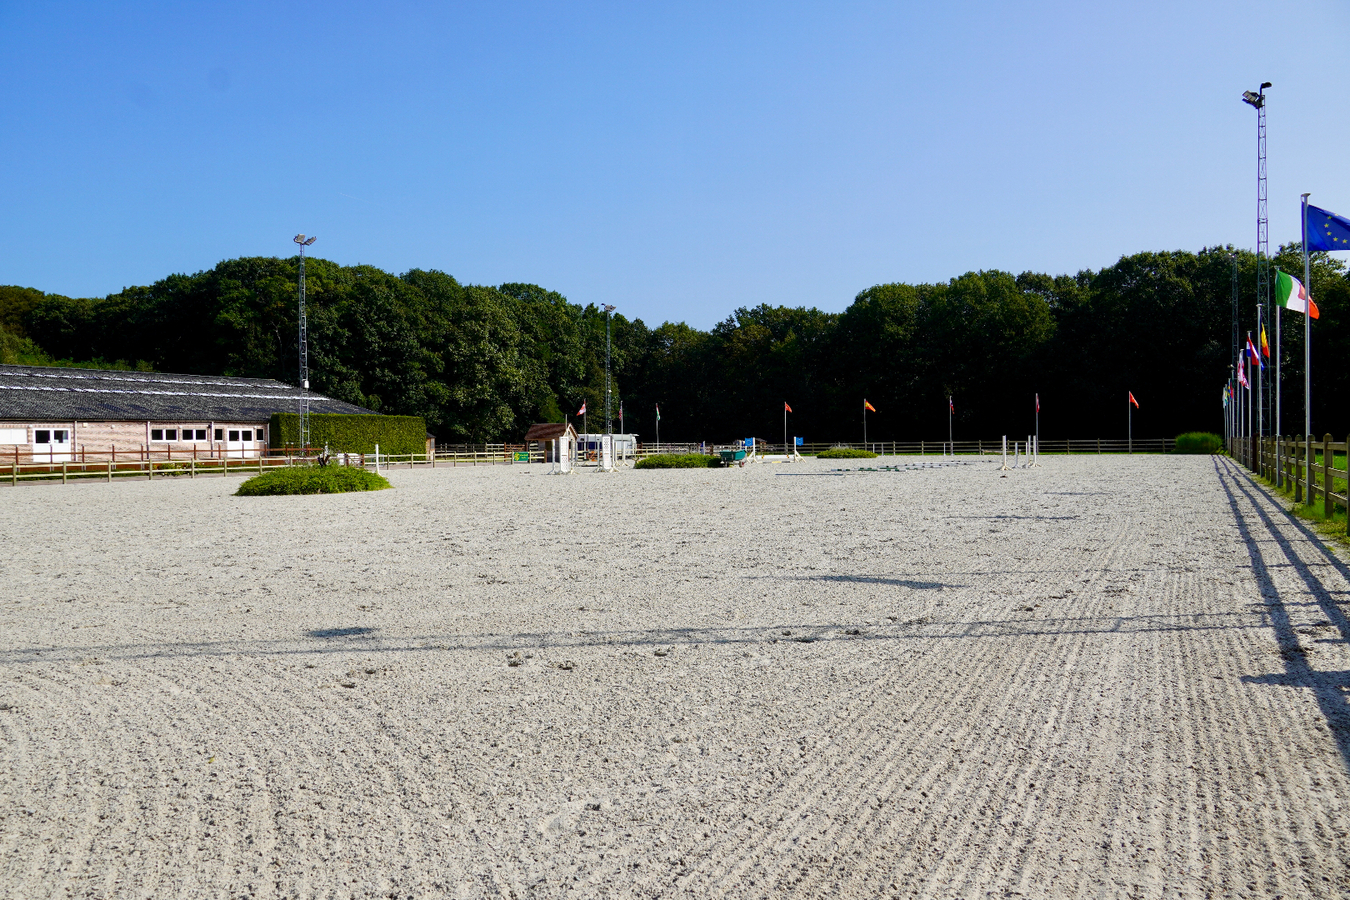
(846, 453)
(352, 434)
(1199, 442)
(678, 461)
(312, 480)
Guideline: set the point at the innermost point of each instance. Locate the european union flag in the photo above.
(1327, 231)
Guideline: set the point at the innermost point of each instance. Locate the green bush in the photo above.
(846, 453)
(352, 433)
(312, 480)
(1199, 442)
(678, 461)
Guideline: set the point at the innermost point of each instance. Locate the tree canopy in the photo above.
(483, 363)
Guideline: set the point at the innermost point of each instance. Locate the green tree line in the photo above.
(483, 363)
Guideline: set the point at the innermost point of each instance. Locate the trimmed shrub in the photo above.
(846, 453)
(678, 461)
(352, 433)
(1199, 442)
(312, 480)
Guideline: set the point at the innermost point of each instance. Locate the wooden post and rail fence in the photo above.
(153, 463)
(1284, 461)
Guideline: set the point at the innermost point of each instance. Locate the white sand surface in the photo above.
(1107, 677)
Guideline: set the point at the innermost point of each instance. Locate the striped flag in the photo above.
(1255, 357)
(869, 407)
(1290, 293)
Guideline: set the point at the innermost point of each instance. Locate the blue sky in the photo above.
(678, 161)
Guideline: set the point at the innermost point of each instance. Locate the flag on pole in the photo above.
(1038, 403)
(582, 411)
(1132, 400)
(1255, 357)
(1265, 345)
(1242, 374)
(1327, 231)
(1225, 395)
(786, 408)
(869, 407)
(658, 412)
(1290, 293)
(951, 407)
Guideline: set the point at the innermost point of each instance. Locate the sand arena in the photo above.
(1108, 677)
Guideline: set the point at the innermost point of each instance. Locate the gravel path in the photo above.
(1108, 677)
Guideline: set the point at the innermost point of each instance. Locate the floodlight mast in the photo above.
(608, 427)
(304, 347)
(1257, 100)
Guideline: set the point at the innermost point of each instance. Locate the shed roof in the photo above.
(38, 392)
(548, 431)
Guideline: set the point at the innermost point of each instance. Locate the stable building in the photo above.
(54, 415)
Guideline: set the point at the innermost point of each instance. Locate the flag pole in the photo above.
(785, 446)
(864, 423)
(1129, 424)
(950, 410)
(658, 427)
(1307, 344)
(1260, 381)
(1038, 429)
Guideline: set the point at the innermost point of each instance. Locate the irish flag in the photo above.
(1291, 294)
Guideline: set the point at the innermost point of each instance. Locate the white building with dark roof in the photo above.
(65, 415)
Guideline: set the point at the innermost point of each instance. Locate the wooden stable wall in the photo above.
(132, 439)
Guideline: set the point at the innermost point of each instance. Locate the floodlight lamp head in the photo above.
(1254, 99)
(299, 238)
(310, 241)
(1265, 84)
(609, 308)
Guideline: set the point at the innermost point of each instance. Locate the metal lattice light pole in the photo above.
(304, 346)
(1257, 100)
(608, 309)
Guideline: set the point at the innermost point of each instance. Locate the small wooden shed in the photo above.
(558, 440)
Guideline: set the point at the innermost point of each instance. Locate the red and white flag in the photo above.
(786, 408)
(582, 411)
(1038, 403)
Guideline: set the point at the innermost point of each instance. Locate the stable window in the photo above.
(42, 436)
(248, 435)
(220, 434)
(201, 434)
(171, 434)
(234, 435)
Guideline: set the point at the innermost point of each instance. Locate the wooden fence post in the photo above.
(110, 467)
(1328, 499)
(1298, 469)
(1347, 484)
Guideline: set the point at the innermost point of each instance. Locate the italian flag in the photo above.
(1290, 293)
